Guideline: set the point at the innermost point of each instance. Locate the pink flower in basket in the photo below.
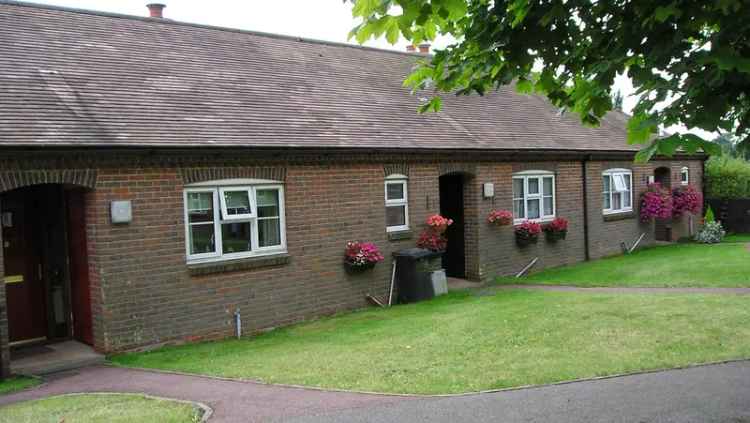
(438, 223)
(500, 217)
(686, 199)
(656, 202)
(362, 253)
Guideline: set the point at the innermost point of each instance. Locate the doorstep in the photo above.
(39, 360)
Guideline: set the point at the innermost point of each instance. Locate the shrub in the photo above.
(727, 178)
(709, 215)
(656, 202)
(686, 199)
(710, 233)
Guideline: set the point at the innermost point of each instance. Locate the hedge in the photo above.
(727, 178)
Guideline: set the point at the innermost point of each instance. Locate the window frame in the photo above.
(685, 175)
(251, 201)
(218, 188)
(540, 176)
(611, 173)
(402, 180)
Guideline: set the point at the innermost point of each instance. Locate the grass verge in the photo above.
(15, 384)
(678, 265)
(96, 408)
(737, 238)
(463, 342)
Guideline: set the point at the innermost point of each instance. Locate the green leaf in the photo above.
(392, 31)
(365, 8)
(640, 128)
(456, 8)
(433, 105)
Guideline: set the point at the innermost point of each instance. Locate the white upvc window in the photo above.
(685, 175)
(533, 196)
(617, 191)
(228, 221)
(396, 203)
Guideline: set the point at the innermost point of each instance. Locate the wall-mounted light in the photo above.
(121, 211)
(488, 190)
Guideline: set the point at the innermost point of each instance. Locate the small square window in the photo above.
(236, 203)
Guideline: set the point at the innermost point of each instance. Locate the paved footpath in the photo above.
(706, 394)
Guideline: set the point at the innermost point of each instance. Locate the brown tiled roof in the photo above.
(70, 77)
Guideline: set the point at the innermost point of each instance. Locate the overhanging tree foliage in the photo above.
(689, 60)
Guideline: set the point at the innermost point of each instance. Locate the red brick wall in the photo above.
(144, 294)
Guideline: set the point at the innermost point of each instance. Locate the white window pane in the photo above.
(607, 201)
(619, 182)
(268, 202)
(626, 199)
(533, 212)
(269, 232)
(237, 202)
(518, 188)
(606, 181)
(235, 237)
(548, 206)
(628, 182)
(202, 239)
(547, 186)
(617, 201)
(395, 216)
(395, 191)
(533, 186)
(518, 209)
(200, 207)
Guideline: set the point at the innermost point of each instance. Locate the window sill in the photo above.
(612, 217)
(247, 263)
(539, 221)
(399, 235)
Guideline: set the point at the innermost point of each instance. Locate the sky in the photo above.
(329, 20)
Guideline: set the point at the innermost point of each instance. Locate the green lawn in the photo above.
(16, 384)
(467, 342)
(95, 408)
(679, 265)
(737, 238)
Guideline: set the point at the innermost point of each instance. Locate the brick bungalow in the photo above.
(158, 176)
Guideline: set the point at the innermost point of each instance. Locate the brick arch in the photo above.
(10, 180)
(466, 169)
(396, 169)
(203, 174)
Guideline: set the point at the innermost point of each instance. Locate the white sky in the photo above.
(329, 20)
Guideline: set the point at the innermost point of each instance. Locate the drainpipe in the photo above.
(584, 177)
(238, 323)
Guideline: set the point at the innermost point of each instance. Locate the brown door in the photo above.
(25, 291)
(80, 295)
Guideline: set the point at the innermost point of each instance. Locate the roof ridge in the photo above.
(203, 26)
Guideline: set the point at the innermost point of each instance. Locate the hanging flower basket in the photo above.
(556, 230)
(361, 256)
(527, 233)
(438, 224)
(500, 218)
(686, 199)
(656, 203)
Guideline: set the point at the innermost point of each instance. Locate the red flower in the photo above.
(432, 241)
(528, 229)
(557, 225)
(500, 217)
(362, 253)
(656, 202)
(686, 199)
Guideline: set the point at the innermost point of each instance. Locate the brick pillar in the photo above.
(4, 341)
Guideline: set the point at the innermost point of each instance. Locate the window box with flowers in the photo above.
(556, 230)
(361, 256)
(500, 218)
(527, 233)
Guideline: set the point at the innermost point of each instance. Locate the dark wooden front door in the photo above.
(24, 289)
(80, 295)
(452, 206)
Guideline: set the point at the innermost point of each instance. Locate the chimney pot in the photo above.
(411, 48)
(424, 48)
(156, 10)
